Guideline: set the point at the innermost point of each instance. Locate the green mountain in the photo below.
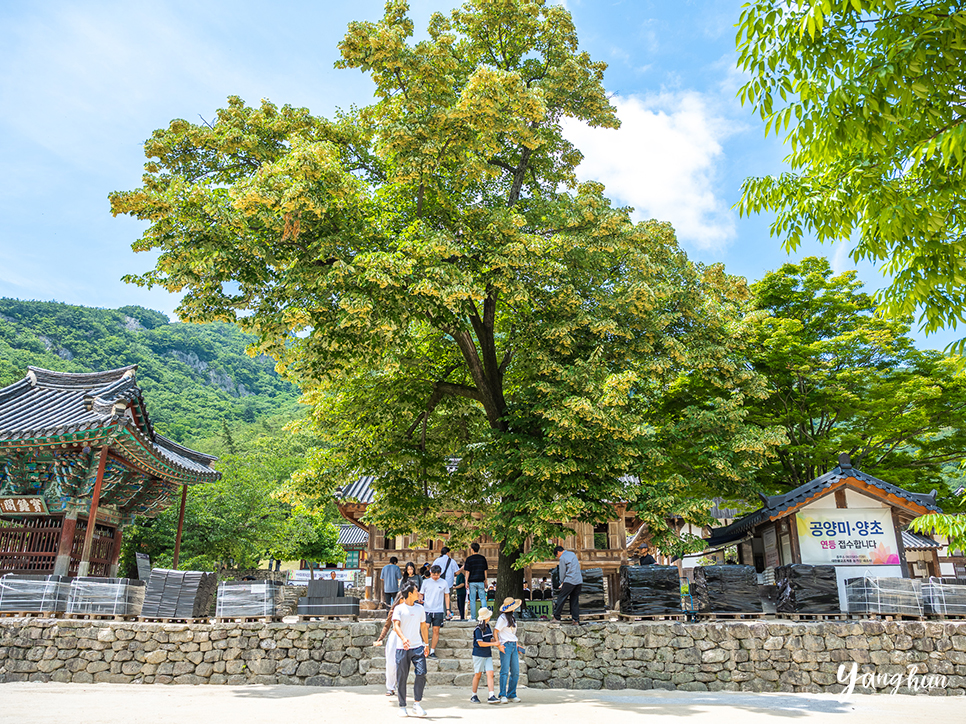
(197, 378)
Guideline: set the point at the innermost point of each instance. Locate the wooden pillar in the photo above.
(793, 536)
(177, 540)
(115, 553)
(370, 574)
(85, 560)
(67, 531)
(897, 526)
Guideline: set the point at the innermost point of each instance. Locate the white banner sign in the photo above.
(848, 537)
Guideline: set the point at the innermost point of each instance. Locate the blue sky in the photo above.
(82, 85)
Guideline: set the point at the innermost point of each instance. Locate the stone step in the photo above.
(443, 678)
(455, 665)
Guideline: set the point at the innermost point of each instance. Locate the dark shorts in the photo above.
(435, 619)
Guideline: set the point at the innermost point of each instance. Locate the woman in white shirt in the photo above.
(506, 634)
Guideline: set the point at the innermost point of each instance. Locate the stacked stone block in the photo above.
(742, 655)
(322, 654)
(760, 655)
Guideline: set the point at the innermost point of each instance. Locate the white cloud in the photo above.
(841, 261)
(663, 162)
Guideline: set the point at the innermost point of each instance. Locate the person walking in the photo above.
(410, 576)
(460, 589)
(571, 581)
(448, 568)
(506, 636)
(475, 568)
(390, 576)
(435, 593)
(392, 643)
(483, 643)
(409, 624)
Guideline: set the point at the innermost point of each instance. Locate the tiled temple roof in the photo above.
(358, 492)
(47, 404)
(914, 541)
(775, 505)
(352, 535)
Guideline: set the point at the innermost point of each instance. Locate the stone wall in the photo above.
(747, 655)
(315, 654)
(736, 655)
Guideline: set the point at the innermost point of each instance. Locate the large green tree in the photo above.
(474, 328)
(870, 97)
(842, 379)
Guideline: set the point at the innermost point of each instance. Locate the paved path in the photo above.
(35, 703)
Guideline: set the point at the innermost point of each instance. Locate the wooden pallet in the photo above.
(162, 619)
(653, 617)
(345, 617)
(728, 616)
(818, 616)
(99, 617)
(32, 614)
(245, 619)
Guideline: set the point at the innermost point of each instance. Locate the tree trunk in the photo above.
(311, 571)
(509, 580)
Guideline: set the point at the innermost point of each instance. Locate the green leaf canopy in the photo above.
(869, 94)
(500, 346)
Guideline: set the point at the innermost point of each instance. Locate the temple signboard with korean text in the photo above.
(23, 505)
(848, 536)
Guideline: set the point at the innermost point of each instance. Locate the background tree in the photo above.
(245, 517)
(870, 96)
(474, 329)
(842, 379)
(308, 535)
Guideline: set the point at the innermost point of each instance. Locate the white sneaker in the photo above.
(418, 710)
(403, 711)
(516, 700)
(504, 700)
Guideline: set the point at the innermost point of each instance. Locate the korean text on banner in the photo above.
(848, 537)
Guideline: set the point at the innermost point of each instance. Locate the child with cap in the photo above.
(506, 636)
(483, 642)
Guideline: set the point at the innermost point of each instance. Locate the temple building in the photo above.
(601, 546)
(79, 459)
(846, 518)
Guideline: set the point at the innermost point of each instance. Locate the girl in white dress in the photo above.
(392, 643)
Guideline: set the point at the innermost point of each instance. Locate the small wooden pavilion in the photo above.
(79, 459)
(845, 518)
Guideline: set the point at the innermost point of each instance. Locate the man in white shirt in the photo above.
(447, 566)
(435, 592)
(409, 624)
(448, 569)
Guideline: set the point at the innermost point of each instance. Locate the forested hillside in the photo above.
(202, 390)
(195, 377)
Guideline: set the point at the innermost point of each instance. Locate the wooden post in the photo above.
(67, 532)
(840, 501)
(115, 552)
(897, 526)
(85, 560)
(370, 575)
(177, 540)
(793, 535)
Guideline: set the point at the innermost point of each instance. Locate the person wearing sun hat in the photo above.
(506, 636)
(483, 643)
